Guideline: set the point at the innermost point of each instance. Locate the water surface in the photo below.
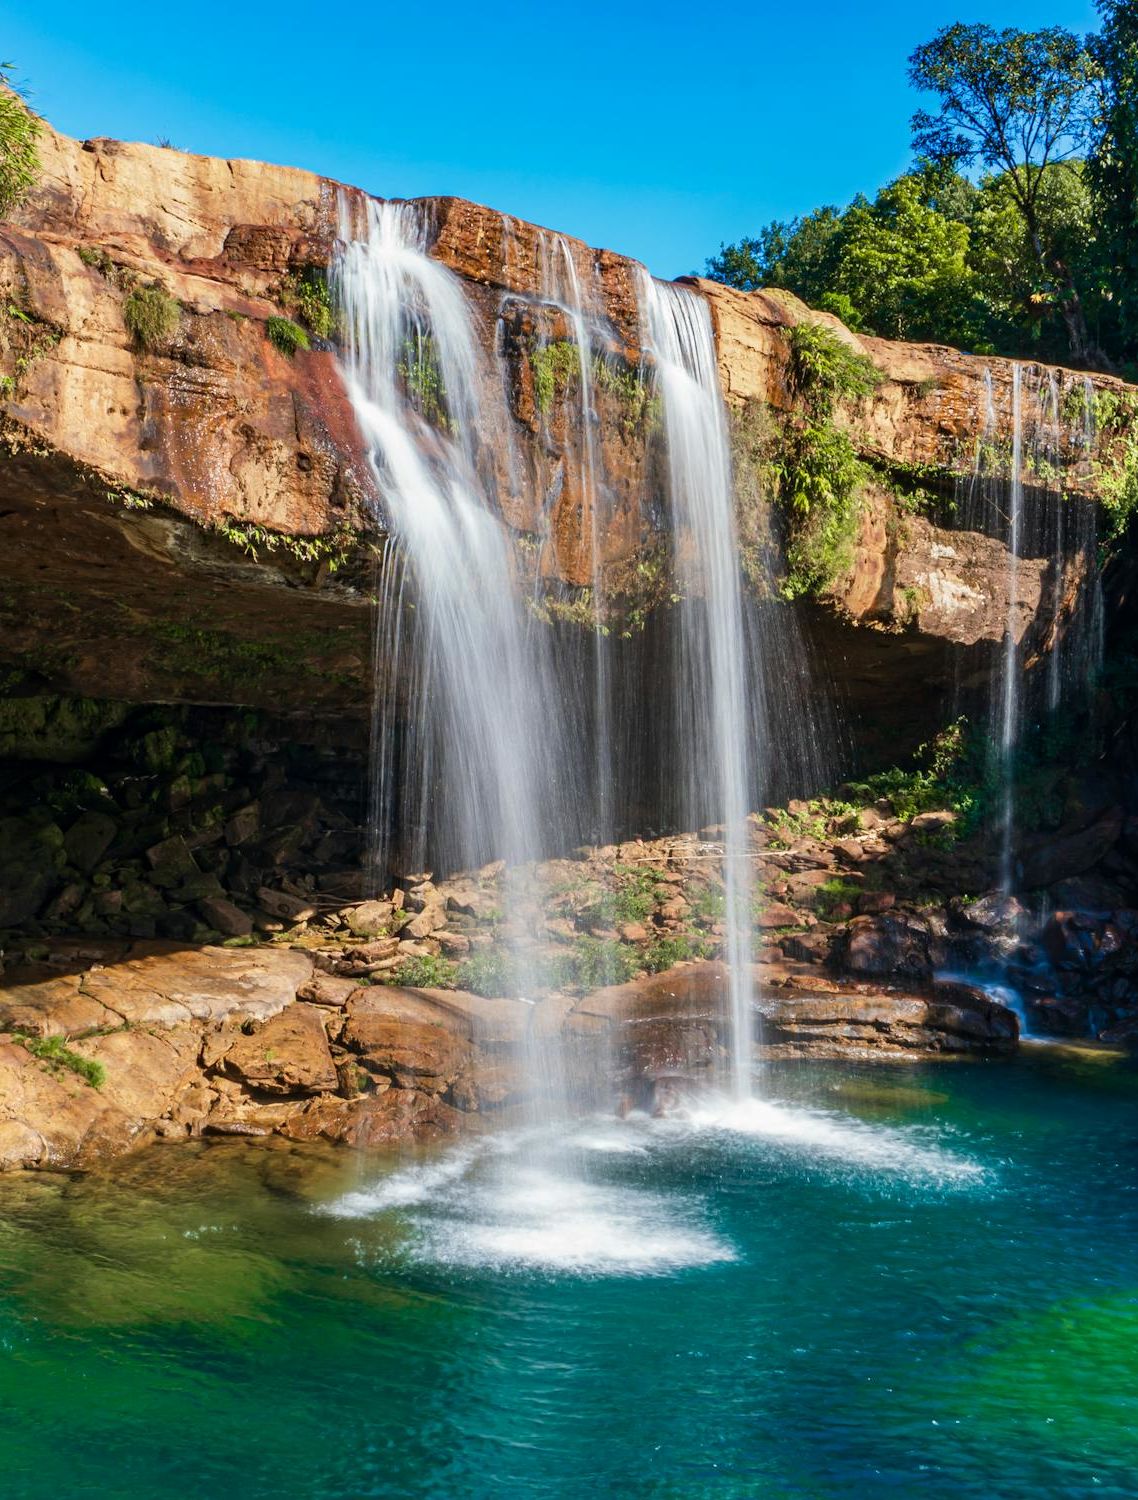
(879, 1281)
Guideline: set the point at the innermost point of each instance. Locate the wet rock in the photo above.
(244, 825)
(405, 1039)
(224, 917)
(1053, 857)
(889, 943)
(327, 990)
(287, 907)
(992, 913)
(775, 914)
(32, 857)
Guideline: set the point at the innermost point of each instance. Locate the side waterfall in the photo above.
(712, 699)
(1011, 665)
(1053, 598)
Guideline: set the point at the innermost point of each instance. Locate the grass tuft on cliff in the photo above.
(151, 315)
(59, 1058)
(286, 335)
(19, 155)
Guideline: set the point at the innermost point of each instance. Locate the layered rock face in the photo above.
(105, 1047)
(211, 522)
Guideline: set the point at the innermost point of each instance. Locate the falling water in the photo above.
(712, 695)
(480, 700)
(1010, 664)
(478, 673)
(561, 284)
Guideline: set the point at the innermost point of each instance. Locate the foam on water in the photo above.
(836, 1139)
(405, 1188)
(545, 1220)
(529, 1200)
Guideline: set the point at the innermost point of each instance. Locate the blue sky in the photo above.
(658, 131)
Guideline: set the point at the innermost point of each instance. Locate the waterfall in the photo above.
(414, 377)
(711, 687)
(1019, 493)
(1010, 673)
(451, 627)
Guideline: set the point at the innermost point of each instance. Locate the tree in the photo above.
(1112, 168)
(1020, 103)
(895, 267)
(19, 128)
(800, 255)
(904, 266)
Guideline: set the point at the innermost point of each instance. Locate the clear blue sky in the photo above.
(658, 131)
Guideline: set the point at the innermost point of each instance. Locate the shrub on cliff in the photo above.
(151, 315)
(19, 131)
(815, 466)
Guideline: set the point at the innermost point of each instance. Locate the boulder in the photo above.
(224, 917)
(88, 839)
(288, 1054)
(889, 943)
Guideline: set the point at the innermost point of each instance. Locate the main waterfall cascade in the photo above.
(478, 702)
(470, 735)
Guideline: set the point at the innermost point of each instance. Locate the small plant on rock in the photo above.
(427, 972)
(305, 294)
(58, 1057)
(489, 972)
(676, 948)
(151, 315)
(286, 335)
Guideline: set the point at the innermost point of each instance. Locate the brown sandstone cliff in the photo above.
(194, 521)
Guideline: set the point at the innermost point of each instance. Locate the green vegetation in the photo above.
(554, 365)
(151, 315)
(58, 1057)
(675, 948)
(708, 904)
(834, 893)
(1014, 231)
(488, 971)
(1116, 421)
(286, 335)
(255, 539)
(422, 377)
(632, 899)
(19, 133)
(428, 972)
(580, 610)
(593, 962)
(305, 296)
(817, 472)
(641, 408)
(98, 259)
(817, 819)
(945, 777)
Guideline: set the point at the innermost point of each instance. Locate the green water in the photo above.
(891, 1282)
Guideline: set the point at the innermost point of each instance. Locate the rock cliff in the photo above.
(192, 519)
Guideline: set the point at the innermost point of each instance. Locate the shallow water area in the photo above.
(871, 1280)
